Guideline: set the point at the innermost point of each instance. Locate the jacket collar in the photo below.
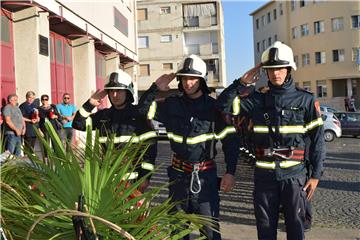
(288, 86)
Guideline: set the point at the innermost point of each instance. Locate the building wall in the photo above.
(327, 41)
(32, 70)
(158, 52)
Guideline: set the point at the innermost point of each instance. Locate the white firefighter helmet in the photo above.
(278, 55)
(192, 66)
(120, 80)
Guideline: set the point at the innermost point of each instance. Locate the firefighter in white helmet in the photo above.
(286, 120)
(121, 119)
(193, 128)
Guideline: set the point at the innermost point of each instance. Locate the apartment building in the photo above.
(57, 46)
(170, 30)
(325, 38)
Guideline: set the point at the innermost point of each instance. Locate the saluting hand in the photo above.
(96, 98)
(163, 81)
(310, 187)
(252, 75)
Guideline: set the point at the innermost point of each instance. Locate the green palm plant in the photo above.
(39, 199)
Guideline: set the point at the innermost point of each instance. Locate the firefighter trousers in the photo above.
(269, 194)
(205, 203)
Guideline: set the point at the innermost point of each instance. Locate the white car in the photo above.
(332, 126)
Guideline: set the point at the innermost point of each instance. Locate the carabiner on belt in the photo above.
(195, 177)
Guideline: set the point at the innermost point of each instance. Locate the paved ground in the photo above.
(336, 203)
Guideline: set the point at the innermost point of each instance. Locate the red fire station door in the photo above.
(7, 73)
(61, 68)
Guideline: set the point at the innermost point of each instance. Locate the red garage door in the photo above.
(61, 67)
(101, 76)
(7, 73)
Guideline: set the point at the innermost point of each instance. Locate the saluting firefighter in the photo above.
(283, 117)
(121, 119)
(193, 126)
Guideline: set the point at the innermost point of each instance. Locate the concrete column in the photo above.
(32, 70)
(349, 87)
(84, 69)
(112, 62)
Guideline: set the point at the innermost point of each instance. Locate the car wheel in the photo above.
(329, 136)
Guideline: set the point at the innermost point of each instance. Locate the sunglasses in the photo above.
(66, 98)
(45, 99)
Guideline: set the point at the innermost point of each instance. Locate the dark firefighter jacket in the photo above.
(283, 117)
(193, 126)
(127, 125)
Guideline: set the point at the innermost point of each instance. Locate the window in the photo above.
(337, 24)
(257, 23)
(166, 38)
(356, 55)
(215, 47)
(167, 66)
(319, 27)
(192, 21)
(165, 10)
(269, 41)
(305, 59)
(275, 38)
(268, 17)
(293, 5)
(262, 21)
(144, 70)
(304, 30)
(338, 55)
(295, 32)
(307, 86)
(59, 51)
(263, 45)
(321, 88)
(121, 22)
(5, 29)
(142, 14)
(193, 49)
(281, 9)
(258, 46)
(355, 21)
(302, 3)
(275, 14)
(296, 60)
(320, 57)
(143, 42)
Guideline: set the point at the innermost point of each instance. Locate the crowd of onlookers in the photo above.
(18, 122)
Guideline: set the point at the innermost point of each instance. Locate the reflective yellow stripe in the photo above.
(200, 138)
(88, 122)
(147, 166)
(315, 123)
(271, 165)
(282, 129)
(176, 138)
(84, 113)
(203, 137)
(130, 176)
(152, 110)
(236, 106)
(225, 132)
(133, 139)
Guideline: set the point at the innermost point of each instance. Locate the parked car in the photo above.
(350, 123)
(332, 126)
(159, 128)
(326, 108)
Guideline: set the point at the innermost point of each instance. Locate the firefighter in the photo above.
(121, 119)
(193, 127)
(283, 117)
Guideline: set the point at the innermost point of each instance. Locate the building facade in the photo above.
(52, 47)
(170, 30)
(325, 38)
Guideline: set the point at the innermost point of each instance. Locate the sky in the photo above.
(238, 33)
